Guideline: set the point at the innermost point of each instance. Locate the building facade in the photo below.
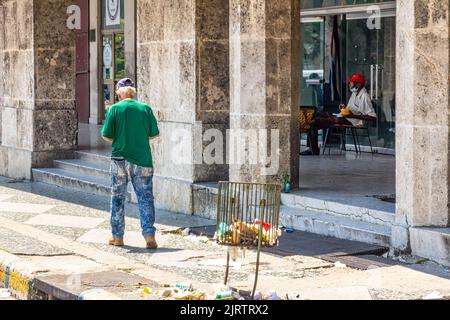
(231, 65)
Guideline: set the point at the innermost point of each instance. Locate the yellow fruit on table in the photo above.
(346, 112)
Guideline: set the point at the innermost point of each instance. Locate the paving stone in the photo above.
(65, 221)
(182, 258)
(65, 264)
(17, 244)
(71, 233)
(24, 207)
(101, 236)
(18, 217)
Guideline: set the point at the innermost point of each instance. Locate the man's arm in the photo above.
(154, 130)
(108, 129)
(354, 109)
(154, 137)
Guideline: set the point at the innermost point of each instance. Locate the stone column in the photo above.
(17, 88)
(37, 106)
(37, 87)
(55, 120)
(265, 53)
(423, 140)
(182, 72)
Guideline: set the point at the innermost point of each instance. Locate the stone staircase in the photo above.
(88, 172)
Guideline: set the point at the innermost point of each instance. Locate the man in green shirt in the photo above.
(129, 126)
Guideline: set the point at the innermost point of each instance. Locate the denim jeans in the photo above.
(142, 179)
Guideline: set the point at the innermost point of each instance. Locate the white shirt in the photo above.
(360, 104)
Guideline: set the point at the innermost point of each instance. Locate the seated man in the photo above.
(360, 104)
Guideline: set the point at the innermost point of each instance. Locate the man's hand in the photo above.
(107, 139)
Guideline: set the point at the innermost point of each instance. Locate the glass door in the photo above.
(312, 63)
(370, 50)
(113, 49)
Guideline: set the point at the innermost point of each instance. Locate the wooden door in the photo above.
(82, 87)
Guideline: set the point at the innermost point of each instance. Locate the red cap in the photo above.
(357, 78)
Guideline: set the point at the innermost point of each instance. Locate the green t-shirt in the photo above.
(130, 124)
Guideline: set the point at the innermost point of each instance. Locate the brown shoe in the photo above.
(116, 242)
(151, 242)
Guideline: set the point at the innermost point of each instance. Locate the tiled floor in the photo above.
(348, 174)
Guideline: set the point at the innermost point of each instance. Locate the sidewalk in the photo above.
(52, 246)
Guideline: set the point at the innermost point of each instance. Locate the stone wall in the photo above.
(38, 119)
(182, 72)
(422, 116)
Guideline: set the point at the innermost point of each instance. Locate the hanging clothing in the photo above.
(335, 63)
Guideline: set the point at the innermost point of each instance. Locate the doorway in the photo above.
(340, 41)
(112, 56)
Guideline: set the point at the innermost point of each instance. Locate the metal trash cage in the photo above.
(246, 212)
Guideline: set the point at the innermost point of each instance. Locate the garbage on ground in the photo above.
(258, 295)
(240, 233)
(339, 264)
(4, 293)
(289, 230)
(433, 296)
(185, 291)
(186, 232)
(273, 295)
(293, 296)
(184, 286)
(220, 287)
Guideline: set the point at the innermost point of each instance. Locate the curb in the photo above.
(15, 275)
(20, 278)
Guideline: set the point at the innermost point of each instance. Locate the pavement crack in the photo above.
(42, 255)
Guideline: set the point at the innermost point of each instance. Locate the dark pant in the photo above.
(323, 120)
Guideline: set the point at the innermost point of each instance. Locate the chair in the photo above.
(343, 128)
(306, 121)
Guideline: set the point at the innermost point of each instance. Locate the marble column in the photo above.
(264, 60)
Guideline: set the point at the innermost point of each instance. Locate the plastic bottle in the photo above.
(183, 286)
(228, 295)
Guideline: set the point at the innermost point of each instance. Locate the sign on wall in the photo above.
(112, 13)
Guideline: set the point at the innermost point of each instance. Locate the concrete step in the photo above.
(102, 157)
(83, 167)
(335, 226)
(361, 208)
(73, 180)
(366, 209)
(432, 243)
